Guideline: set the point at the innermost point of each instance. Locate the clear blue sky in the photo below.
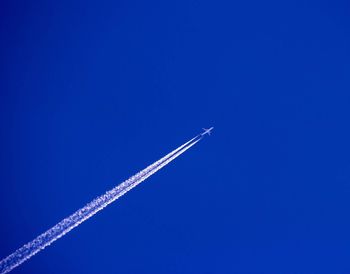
(93, 91)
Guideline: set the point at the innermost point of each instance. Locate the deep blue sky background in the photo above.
(93, 91)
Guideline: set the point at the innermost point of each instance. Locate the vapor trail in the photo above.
(28, 250)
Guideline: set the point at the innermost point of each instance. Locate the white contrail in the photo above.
(28, 250)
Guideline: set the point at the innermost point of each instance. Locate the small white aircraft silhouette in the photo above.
(207, 131)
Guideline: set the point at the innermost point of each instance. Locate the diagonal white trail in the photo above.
(28, 250)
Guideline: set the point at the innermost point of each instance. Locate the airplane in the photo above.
(207, 131)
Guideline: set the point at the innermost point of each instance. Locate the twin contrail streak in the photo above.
(28, 250)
